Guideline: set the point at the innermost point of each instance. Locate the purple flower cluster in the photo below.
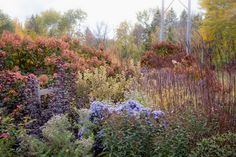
(100, 111)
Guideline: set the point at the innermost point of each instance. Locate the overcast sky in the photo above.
(112, 12)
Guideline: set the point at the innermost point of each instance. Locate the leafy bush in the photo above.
(127, 129)
(96, 85)
(168, 55)
(172, 142)
(58, 141)
(39, 55)
(8, 137)
(217, 146)
(6, 147)
(130, 136)
(12, 85)
(185, 129)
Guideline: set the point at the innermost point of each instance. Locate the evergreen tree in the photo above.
(171, 24)
(183, 19)
(156, 20)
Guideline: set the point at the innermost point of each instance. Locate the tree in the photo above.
(89, 38)
(219, 25)
(50, 19)
(19, 30)
(171, 18)
(34, 25)
(220, 19)
(71, 21)
(125, 42)
(6, 24)
(197, 21)
(171, 23)
(183, 19)
(156, 20)
(155, 25)
(101, 33)
(138, 33)
(145, 19)
(53, 23)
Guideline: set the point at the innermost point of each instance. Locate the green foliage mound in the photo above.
(130, 136)
(58, 140)
(96, 85)
(217, 146)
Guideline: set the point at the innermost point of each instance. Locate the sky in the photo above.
(111, 12)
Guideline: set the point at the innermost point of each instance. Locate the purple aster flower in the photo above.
(99, 111)
(157, 114)
(131, 105)
(80, 134)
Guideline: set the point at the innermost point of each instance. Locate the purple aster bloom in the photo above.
(157, 114)
(99, 111)
(83, 131)
(97, 106)
(146, 111)
(80, 134)
(131, 105)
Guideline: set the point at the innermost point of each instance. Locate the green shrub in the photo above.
(130, 136)
(98, 86)
(8, 137)
(6, 147)
(186, 127)
(217, 146)
(173, 142)
(58, 141)
(127, 136)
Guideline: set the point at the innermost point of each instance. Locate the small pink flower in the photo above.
(5, 135)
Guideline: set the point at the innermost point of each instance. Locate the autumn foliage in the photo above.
(163, 54)
(39, 55)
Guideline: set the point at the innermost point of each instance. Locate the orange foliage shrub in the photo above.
(39, 55)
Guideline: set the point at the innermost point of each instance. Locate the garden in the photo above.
(63, 95)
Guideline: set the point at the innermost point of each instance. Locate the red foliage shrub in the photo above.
(161, 55)
(11, 90)
(152, 60)
(38, 56)
(167, 55)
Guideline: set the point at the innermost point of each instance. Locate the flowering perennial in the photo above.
(100, 111)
